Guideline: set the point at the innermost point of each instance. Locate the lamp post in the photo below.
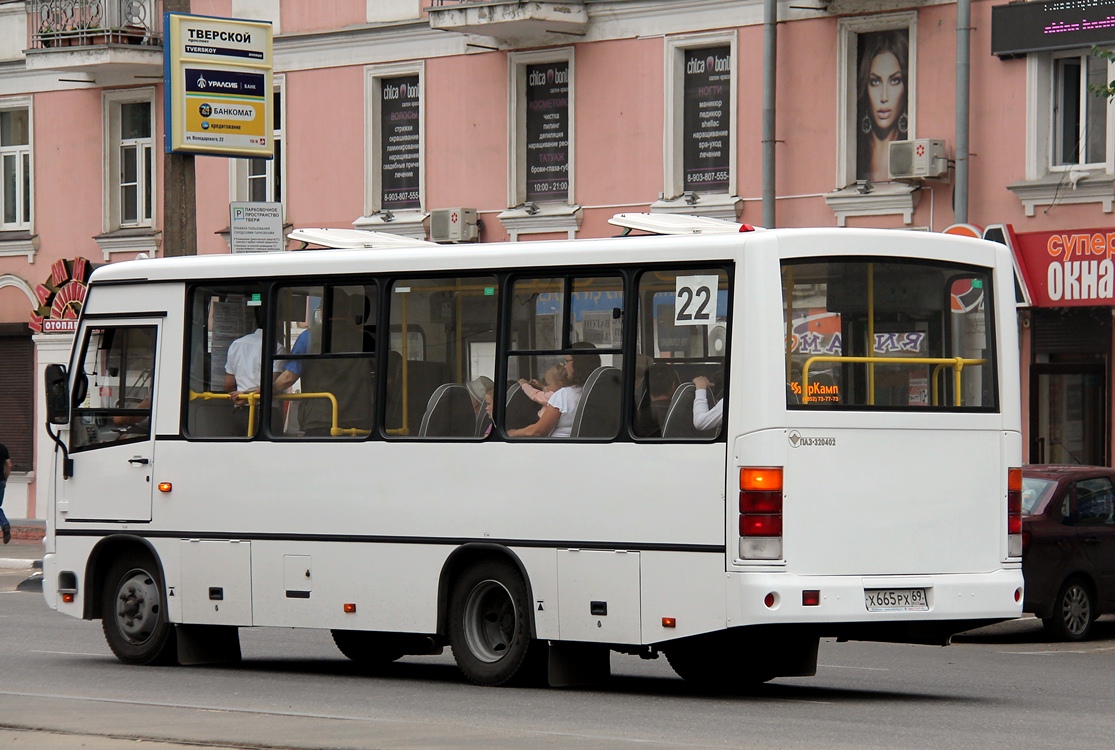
(179, 189)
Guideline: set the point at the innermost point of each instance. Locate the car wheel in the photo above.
(132, 614)
(1074, 612)
(489, 624)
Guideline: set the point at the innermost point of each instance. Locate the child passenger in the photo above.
(553, 381)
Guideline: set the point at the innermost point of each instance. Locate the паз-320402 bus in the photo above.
(720, 448)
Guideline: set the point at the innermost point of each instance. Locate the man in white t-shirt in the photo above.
(244, 364)
(705, 418)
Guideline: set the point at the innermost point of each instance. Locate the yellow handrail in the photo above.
(253, 398)
(956, 363)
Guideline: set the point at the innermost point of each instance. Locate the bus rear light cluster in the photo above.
(1014, 512)
(760, 513)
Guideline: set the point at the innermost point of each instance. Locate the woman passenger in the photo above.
(556, 417)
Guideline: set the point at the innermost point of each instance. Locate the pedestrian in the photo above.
(5, 470)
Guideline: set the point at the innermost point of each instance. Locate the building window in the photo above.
(15, 168)
(700, 116)
(257, 179)
(1069, 139)
(130, 164)
(876, 106)
(542, 154)
(394, 148)
(541, 127)
(135, 164)
(877, 100)
(1079, 116)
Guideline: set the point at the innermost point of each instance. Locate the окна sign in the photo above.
(1074, 268)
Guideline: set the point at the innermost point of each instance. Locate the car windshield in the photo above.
(1035, 492)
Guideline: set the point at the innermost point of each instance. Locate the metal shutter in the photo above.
(17, 398)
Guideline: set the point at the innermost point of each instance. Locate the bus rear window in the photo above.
(888, 335)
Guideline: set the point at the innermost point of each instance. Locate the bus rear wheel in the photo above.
(133, 615)
(367, 649)
(489, 624)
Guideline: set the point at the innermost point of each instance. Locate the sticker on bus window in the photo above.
(695, 300)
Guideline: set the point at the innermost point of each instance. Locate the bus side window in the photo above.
(682, 337)
(226, 334)
(443, 333)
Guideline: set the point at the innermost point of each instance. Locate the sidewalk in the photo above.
(26, 546)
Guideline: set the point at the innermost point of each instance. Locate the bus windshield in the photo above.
(888, 335)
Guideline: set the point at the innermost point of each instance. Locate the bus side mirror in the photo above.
(57, 395)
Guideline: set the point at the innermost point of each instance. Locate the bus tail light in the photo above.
(1014, 512)
(760, 513)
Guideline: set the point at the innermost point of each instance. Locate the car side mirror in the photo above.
(57, 395)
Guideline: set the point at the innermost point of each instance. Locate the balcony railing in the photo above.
(79, 23)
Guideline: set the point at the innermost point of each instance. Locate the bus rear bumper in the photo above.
(899, 608)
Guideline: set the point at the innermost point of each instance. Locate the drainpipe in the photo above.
(963, 102)
(770, 59)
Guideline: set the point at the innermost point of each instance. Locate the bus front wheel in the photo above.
(489, 623)
(133, 615)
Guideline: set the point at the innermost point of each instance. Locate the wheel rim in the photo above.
(137, 606)
(490, 621)
(1077, 610)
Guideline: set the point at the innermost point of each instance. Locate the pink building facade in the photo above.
(547, 118)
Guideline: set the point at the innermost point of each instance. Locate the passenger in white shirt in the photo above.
(556, 417)
(705, 418)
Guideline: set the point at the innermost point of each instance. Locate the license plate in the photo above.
(895, 600)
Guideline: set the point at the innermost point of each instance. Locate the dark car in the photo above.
(1068, 546)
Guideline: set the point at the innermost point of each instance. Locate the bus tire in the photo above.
(133, 615)
(366, 649)
(489, 624)
(721, 662)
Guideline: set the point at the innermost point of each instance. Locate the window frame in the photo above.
(113, 102)
(673, 144)
(517, 64)
(374, 76)
(25, 170)
(849, 31)
(1056, 115)
(240, 170)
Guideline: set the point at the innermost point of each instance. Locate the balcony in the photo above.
(511, 21)
(112, 41)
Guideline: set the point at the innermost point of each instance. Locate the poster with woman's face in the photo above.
(882, 101)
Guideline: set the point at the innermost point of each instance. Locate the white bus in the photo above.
(392, 480)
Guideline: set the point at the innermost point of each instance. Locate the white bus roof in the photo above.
(677, 224)
(355, 238)
(419, 257)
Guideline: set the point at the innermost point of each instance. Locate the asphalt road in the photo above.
(1002, 687)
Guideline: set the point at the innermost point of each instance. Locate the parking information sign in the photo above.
(218, 84)
(256, 227)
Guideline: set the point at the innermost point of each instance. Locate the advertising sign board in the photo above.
(218, 84)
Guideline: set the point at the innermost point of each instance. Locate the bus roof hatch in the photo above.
(355, 239)
(677, 224)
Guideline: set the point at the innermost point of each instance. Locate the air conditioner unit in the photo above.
(453, 225)
(924, 157)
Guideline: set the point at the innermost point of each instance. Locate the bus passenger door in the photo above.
(111, 440)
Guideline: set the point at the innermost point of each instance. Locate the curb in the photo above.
(28, 531)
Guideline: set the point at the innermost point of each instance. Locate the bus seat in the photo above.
(216, 418)
(598, 412)
(679, 418)
(521, 410)
(449, 413)
(483, 423)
